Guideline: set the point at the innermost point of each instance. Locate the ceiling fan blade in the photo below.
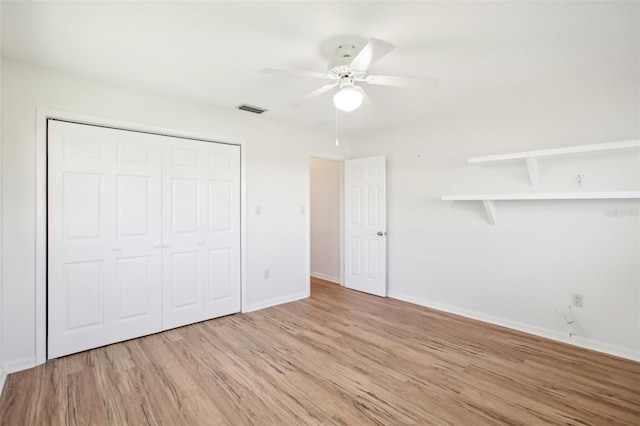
(299, 73)
(314, 94)
(399, 81)
(371, 53)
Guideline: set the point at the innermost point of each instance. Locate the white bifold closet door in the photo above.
(104, 208)
(143, 234)
(201, 232)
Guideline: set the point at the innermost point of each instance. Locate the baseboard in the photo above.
(537, 331)
(325, 277)
(276, 301)
(19, 365)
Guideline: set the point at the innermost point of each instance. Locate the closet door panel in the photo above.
(84, 290)
(185, 199)
(83, 195)
(137, 302)
(220, 274)
(201, 213)
(134, 287)
(103, 216)
(79, 225)
(220, 206)
(132, 207)
(185, 277)
(222, 230)
(182, 260)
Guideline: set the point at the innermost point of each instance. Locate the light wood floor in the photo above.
(340, 357)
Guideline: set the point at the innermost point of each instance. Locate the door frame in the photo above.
(341, 160)
(42, 115)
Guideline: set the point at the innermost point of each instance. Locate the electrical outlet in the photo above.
(266, 274)
(576, 300)
(578, 181)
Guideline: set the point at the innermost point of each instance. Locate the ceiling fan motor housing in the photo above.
(337, 72)
(346, 50)
(340, 66)
(346, 81)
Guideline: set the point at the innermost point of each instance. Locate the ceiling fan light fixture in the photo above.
(348, 99)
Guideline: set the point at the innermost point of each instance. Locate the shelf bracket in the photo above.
(490, 209)
(532, 166)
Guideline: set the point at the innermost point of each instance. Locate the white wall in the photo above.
(276, 173)
(326, 183)
(2, 371)
(446, 255)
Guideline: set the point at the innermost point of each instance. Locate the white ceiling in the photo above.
(214, 51)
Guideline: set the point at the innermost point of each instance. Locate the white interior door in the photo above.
(201, 231)
(366, 225)
(103, 236)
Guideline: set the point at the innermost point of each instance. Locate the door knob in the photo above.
(156, 245)
(201, 242)
(165, 245)
(380, 233)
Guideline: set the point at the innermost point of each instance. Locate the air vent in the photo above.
(251, 108)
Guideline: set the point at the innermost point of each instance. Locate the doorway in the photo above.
(326, 182)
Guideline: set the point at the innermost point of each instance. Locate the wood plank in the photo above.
(339, 357)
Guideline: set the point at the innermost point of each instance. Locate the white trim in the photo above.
(3, 375)
(307, 225)
(243, 227)
(19, 365)
(42, 114)
(277, 301)
(329, 278)
(537, 331)
(341, 281)
(41, 235)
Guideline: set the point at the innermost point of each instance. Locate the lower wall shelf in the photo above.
(489, 200)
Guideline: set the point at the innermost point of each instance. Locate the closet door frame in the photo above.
(42, 116)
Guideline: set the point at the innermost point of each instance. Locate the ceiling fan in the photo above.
(351, 67)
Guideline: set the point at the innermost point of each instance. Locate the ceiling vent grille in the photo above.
(251, 108)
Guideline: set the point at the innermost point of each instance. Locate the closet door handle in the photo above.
(116, 248)
(201, 242)
(156, 245)
(165, 245)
